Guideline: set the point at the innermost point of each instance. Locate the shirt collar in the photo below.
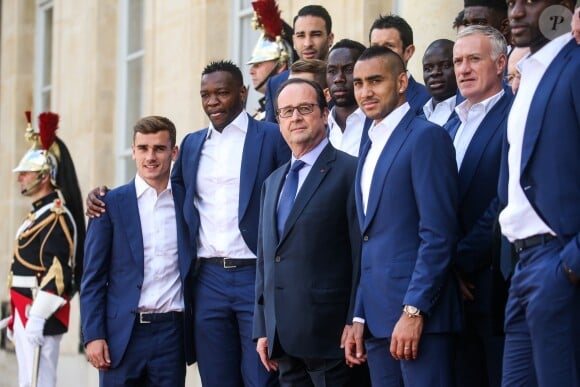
(546, 54)
(485, 106)
(428, 108)
(240, 123)
(332, 121)
(391, 121)
(141, 186)
(311, 157)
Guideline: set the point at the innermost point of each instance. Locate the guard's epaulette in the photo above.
(57, 207)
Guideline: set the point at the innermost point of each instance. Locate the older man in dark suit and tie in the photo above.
(308, 248)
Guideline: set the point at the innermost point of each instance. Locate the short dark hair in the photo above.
(397, 22)
(320, 99)
(458, 21)
(316, 67)
(316, 11)
(396, 64)
(155, 124)
(353, 45)
(227, 66)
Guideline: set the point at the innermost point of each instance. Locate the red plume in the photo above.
(28, 119)
(47, 126)
(269, 16)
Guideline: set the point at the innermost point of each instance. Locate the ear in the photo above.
(325, 113)
(408, 53)
(501, 63)
(327, 94)
(174, 153)
(133, 152)
(402, 83)
(330, 39)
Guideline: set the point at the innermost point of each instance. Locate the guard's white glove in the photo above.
(10, 334)
(35, 330)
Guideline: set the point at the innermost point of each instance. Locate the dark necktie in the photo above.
(288, 195)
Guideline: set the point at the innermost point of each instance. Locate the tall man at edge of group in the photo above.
(312, 39)
(143, 337)
(304, 274)
(539, 187)
(406, 196)
(395, 33)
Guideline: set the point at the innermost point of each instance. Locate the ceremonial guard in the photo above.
(47, 258)
(273, 51)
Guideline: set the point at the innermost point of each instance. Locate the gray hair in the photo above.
(496, 39)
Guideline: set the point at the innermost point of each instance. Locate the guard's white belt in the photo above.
(24, 281)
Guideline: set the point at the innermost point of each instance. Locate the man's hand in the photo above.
(354, 349)
(35, 330)
(98, 354)
(262, 349)
(405, 337)
(465, 287)
(95, 206)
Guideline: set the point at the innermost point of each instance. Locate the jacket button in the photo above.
(277, 259)
(366, 238)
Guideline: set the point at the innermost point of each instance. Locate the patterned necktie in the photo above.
(288, 195)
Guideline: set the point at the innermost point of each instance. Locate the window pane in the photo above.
(47, 48)
(244, 4)
(135, 26)
(45, 102)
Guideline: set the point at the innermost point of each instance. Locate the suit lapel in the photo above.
(357, 188)
(276, 181)
(365, 134)
(540, 102)
(316, 175)
(486, 130)
(250, 162)
(384, 163)
(132, 222)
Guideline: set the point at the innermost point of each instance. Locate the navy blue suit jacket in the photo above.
(410, 230)
(478, 179)
(114, 271)
(303, 281)
(417, 95)
(271, 88)
(264, 151)
(550, 163)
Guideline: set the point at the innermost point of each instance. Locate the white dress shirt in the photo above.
(471, 117)
(349, 140)
(442, 111)
(379, 134)
(161, 291)
(519, 220)
(218, 192)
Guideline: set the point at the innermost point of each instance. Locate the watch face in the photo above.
(412, 310)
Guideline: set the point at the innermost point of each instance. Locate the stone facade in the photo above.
(180, 37)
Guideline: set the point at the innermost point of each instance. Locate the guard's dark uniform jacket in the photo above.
(41, 267)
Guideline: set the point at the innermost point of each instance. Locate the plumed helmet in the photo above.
(275, 41)
(43, 154)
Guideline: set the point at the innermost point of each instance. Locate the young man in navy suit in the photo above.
(395, 33)
(307, 257)
(136, 291)
(221, 170)
(540, 189)
(406, 196)
(481, 126)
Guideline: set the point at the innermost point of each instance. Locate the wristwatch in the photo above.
(412, 311)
